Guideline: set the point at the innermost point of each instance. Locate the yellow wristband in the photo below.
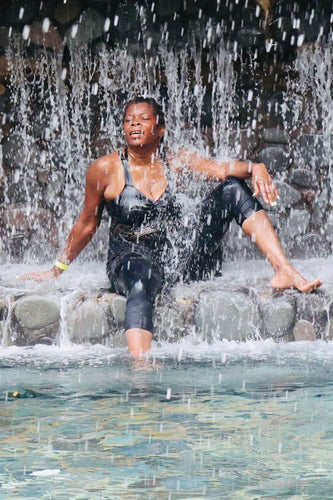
(60, 265)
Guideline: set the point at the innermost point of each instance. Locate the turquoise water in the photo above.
(224, 421)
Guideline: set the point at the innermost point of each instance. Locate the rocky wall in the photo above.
(231, 308)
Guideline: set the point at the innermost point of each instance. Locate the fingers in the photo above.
(263, 184)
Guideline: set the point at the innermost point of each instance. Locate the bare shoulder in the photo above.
(105, 165)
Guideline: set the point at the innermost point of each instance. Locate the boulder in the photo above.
(304, 330)
(226, 314)
(276, 159)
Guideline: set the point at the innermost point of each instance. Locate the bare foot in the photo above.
(290, 278)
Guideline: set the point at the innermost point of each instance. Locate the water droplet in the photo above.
(107, 24)
(26, 32)
(46, 25)
(74, 30)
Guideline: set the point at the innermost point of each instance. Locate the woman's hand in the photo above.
(43, 275)
(263, 183)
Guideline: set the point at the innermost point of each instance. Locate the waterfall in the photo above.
(68, 113)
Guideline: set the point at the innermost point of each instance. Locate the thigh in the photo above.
(136, 269)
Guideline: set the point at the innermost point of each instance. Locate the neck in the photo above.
(141, 156)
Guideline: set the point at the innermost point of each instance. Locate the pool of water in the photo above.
(223, 421)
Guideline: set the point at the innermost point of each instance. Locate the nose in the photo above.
(135, 121)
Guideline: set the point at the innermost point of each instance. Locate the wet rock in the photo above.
(278, 317)
(226, 314)
(304, 330)
(314, 309)
(243, 142)
(118, 308)
(297, 223)
(309, 245)
(35, 312)
(174, 320)
(250, 37)
(67, 12)
(278, 110)
(304, 178)
(276, 159)
(310, 150)
(44, 34)
(275, 135)
(88, 322)
(17, 152)
(289, 196)
(89, 26)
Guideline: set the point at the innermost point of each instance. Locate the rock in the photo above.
(67, 12)
(226, 314)
(310, 150)
(304, 330)
(278, 110)
(304, 178)
(35, 312)
(313, 308)
(89, 26)
(174, 320)
(250, 37)
(278, 317)
(275, 135)
(44, 34)
(297, 223)
(276, 159)
(289, 196)
(308, 246)
(18, 152)
(88, 322)
(243, 142)
(118, 308)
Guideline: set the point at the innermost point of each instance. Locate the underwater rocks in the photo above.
(206, 311)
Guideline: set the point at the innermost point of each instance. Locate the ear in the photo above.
(161, 130)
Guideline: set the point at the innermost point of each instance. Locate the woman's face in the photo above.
(140, 125)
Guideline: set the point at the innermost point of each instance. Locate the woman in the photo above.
(138, 186)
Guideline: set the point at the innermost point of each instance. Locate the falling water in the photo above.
(68, 115)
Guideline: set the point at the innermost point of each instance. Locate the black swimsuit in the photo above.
(146, 246)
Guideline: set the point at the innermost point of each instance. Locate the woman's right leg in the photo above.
(140, 281)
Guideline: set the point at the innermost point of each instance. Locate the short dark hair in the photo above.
(152, 102)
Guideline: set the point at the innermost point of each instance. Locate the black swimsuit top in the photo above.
(134, 216)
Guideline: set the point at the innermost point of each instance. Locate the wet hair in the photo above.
(147, 100)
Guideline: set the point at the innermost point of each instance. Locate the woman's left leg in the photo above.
(233, 200)
(259, 227)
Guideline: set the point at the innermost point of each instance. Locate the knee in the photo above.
(139, 307)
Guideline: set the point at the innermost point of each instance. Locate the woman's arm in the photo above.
(86, 225)
(261, 180)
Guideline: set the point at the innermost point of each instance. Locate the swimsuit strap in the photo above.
(126, 168)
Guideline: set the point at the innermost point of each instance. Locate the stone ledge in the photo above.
(224, 308)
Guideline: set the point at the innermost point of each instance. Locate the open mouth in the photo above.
(136, 133)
